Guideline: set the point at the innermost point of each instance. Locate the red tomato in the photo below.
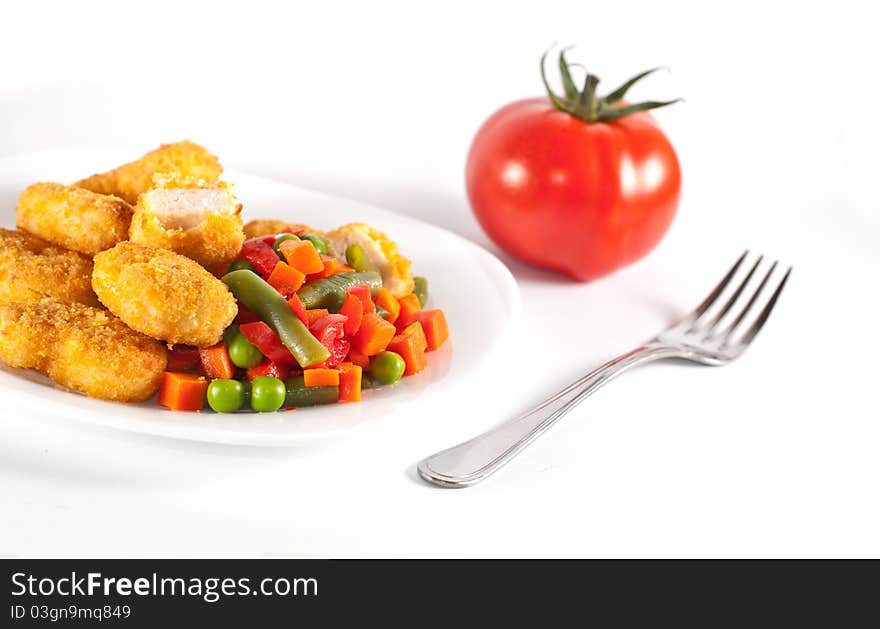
(580, 197)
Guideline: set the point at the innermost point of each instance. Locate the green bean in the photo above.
(421, 290)
(256, 294)
(277, 244)
(320, 243)
(298, 394)
(367, 381)
(329, 292)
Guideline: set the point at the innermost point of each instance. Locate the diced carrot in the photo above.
(384, 299)
(434, 325)
(286, 279)
(362, 360)
(409, 305)
(373, 336)
(362, 292)
(410, 349)
(321, 377)
(302, 255)
(183, 358)
(350, 382)
(315, 314)
(268, 368)
(354, 310)
(182, 391)
(332, 266)
(298, 308)
(415, 329)
(215, 361)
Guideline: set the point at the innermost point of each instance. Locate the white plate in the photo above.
(475, 290)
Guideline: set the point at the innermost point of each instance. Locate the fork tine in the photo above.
(745, 311)
(734, 297)
(707, 303)
(765, 313)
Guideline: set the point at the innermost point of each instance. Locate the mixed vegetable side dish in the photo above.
(177, 295)
(311, 328)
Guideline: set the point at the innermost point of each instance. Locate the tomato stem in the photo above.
(585, 105)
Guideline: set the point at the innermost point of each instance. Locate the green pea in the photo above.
(279, 240)
(241, 265)
(421, 290)
(357, 259)
(319, 242)
(267, 394)
(242, 352)
(225, 396)
(387, 367)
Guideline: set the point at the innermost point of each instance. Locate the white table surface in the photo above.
(776, 455)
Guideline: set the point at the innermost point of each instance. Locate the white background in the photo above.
(773, 456)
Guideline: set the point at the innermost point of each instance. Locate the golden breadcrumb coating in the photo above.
(269, 227)
(32, 269)
(72, 217)
(196, 219)
(163, 294)
(83, 348)
(182, 159)
(382, 251)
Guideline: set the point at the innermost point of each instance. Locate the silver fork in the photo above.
(716, 333)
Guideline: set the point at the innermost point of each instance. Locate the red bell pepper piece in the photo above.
(338, 353)
(354, 310)
(268, 368)
(299, 309)
(267, 342)
(259, 252)
(330, 331)
(329, 328)
(362, 292)
(182, 358)
(245, 314)
(215, 361)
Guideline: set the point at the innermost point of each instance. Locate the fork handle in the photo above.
(472, 461)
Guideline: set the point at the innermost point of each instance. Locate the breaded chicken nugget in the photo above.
(72, 217)
(163, 294)
(32, 269)
(83, 348)
(182, 159)
(197, 219)
(269, 227)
